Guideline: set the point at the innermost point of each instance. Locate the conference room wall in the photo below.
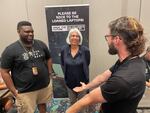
(101, 12)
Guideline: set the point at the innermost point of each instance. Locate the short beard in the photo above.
(26, 42)
(112, 50)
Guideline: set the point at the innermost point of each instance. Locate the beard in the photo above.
(112, 50)
(27, 40)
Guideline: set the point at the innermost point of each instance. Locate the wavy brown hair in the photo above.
(132, 33)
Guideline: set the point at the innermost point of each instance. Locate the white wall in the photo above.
(145, 18)
(101, 13)
(10, 12)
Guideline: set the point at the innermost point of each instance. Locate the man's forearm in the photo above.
(95, 96)
(3, 86)
(99, 79)
(9, 83)
(75, 108)
(49, 63)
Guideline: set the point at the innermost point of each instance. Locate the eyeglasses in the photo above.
(107, 36)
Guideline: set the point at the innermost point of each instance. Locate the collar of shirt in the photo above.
(69, 50)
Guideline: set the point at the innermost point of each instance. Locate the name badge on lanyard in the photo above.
(35, 70)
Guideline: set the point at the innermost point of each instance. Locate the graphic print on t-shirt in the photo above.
(34, 54)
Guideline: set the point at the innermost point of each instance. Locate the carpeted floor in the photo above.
(59, 105)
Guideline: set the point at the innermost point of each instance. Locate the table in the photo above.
(145, 101)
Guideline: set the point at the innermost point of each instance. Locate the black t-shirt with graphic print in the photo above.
(125, 87)
(20, 62)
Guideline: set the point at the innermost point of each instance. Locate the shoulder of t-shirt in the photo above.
(39, 41)
(137, 60)
(12, 45)
(115, 87)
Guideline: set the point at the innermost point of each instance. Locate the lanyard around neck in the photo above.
(28, 52)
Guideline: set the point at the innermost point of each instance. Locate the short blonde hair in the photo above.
(77, 31)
